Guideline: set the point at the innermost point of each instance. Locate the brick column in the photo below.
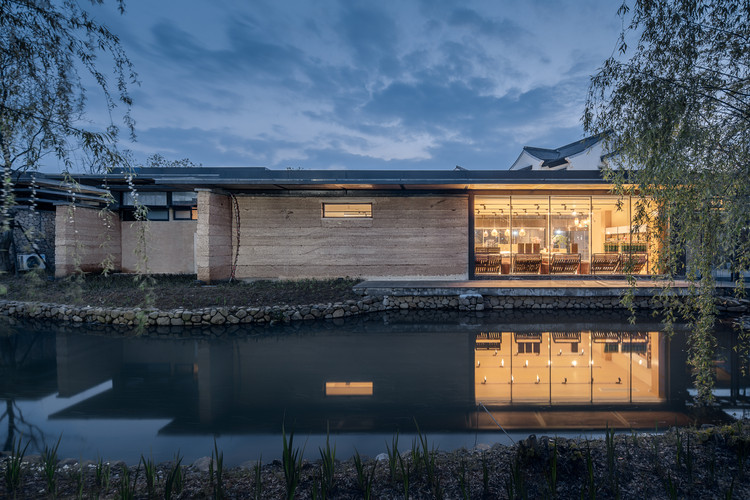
(214, 233)
(84, 239)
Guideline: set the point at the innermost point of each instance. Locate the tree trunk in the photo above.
(6, 259)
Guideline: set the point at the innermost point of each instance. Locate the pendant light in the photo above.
(494, 228)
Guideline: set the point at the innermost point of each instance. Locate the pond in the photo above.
(465, 379)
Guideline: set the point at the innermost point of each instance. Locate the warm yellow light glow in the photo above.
(574, 363)
(348, 388)
(347, 210)
(494, 232)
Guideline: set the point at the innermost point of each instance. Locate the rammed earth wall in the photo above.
(275, 314)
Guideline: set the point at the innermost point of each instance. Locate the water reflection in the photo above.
(567, 367)
(455, 374)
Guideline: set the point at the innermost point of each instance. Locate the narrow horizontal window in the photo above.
(186, 214)
(155, 214)
(158, 214)
(183, 198)
(348, 388)
(158, 198)
(347, 210)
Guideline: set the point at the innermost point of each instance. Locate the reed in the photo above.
(365, 478)
(102, 475)
(515, 487)
(678, 449)
(13, 468)
(670, 487)
(609, 439)
(126, 489)
(393, 457)
(149, 472)
(217, 457)
(78, 476)
(291, 461)
(552, 473)
(317, 490)
(428, 457)
(258, 482)
(463, 481)
(729, 494)
(173, 481)
(328, 464)
(50, 461)
(405, 473)
(416, 458)
(590, 484)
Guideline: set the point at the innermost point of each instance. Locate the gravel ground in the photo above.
(681, 463)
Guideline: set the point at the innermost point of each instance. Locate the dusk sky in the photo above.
(339, 84)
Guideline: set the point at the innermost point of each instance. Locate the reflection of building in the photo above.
(367, 375)
(570, 367)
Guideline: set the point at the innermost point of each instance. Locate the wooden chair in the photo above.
(565, 263)
(527, 263)
(604, 262)
(487, 264)
(633, 263)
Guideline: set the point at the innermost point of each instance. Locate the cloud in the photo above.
(370, 33)
(503, 29)
(355, 84)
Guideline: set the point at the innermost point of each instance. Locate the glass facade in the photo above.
(558, 235)
(569, 367)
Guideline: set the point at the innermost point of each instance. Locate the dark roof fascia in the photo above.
(256, 178)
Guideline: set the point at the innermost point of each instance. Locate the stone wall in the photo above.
(407, 237)
(39, 226)
(215, 316)
(85, 238)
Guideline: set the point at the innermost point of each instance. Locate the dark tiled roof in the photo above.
(556, 157)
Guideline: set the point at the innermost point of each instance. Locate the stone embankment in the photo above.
(286, 313)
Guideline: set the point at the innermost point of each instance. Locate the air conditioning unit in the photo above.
(29, 261)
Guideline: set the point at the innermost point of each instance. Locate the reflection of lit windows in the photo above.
(348, 388)
(529, 347)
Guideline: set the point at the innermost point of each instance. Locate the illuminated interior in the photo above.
(558, 235)
(569, 367)
(348, 388)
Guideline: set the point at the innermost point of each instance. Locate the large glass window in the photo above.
(559, 235)
(570, 218)
(529, 230)
(492, 235)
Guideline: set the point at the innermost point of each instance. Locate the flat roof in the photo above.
(258, 178)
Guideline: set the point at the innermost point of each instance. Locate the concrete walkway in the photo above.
(515, 287)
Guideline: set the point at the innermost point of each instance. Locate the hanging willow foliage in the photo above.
(48, 53)
(676, 98)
